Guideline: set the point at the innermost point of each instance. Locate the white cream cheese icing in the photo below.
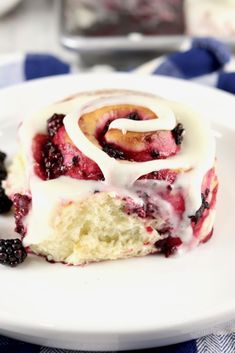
(197, 150)
(197, 155)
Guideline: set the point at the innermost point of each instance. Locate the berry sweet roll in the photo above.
(113, 174)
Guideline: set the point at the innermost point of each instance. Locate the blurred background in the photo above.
(110, 34)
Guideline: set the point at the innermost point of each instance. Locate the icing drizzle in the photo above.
(195, 158)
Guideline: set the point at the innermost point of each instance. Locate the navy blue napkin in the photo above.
(206, 57)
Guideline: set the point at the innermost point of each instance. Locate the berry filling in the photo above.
(114, 152)
(169, 245)
(205, 205)
(48, 158)
(178, 134)
(21, 208)
(75, 163)
(55, 154)
(153, 208)
(208, 196)
(146, 146)
(147, 210)
(197, 226)
(140, 147)
(164, 174)
(54, 123)
(133, 116)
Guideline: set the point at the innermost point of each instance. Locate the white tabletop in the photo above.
(32, 27)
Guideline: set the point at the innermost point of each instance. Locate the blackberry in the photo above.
(177, 133)
(206, 193)
(2, 156)
(205, 205)
(113, 151)
(12, 252)
(75, 161)
(154, 154)
(148, 138)
(106, 127)
(5, 202)
(168, 246)
(3, 171)
(133, 116)
(54, 123)
(52, 161)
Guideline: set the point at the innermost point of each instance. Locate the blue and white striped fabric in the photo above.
(16, 68)
(206, 61)
(215, 343)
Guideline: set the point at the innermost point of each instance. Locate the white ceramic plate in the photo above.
(134, 303)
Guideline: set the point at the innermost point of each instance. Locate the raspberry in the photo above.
(54, 123)
(12, 252)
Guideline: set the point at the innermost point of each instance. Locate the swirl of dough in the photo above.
(196, 155)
